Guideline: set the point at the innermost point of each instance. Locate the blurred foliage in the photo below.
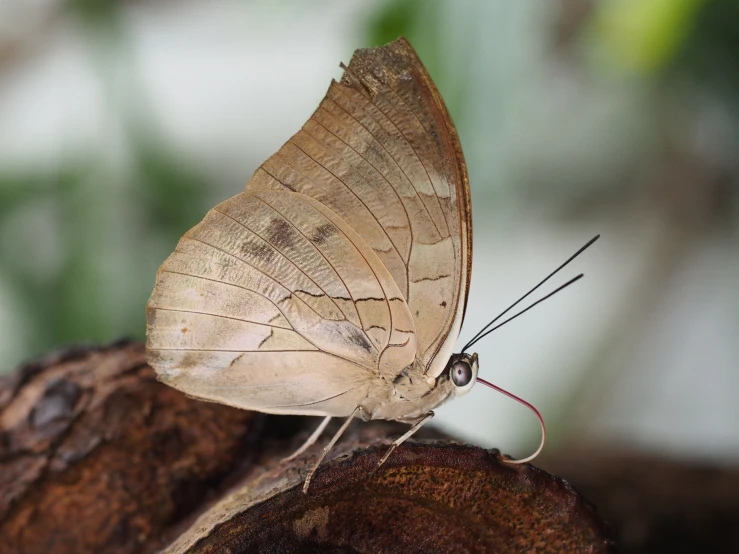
(644, 34)
(710, 57)
(93, 13)
(78, 298)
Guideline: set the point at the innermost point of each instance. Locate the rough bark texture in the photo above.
(427, 498)
(97, 456)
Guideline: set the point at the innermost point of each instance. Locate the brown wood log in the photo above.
(427, 498)
(97, 456)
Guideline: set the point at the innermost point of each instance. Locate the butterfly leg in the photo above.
(308, 443)
(328, 447)
(397, 442)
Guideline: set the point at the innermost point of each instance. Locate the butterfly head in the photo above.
(462, 371)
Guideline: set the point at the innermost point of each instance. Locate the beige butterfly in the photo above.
(335, 285)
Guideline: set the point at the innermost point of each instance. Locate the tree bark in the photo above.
(97, 456)
(433, 497)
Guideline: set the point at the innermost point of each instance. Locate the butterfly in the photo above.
(336, 283)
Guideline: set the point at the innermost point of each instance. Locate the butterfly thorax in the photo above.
(412, 394)
(409, 396)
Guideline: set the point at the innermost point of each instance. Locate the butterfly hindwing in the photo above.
(274, 303)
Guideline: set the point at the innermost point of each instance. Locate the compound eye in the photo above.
(461, 374)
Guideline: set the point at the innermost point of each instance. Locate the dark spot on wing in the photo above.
(189, 360)
(437, 278)
(151, 316)
(265, 339)
(280, 233)
(400, 376)
(321, 295)
(277, 317)
(323, 233)
(369, 299)
(258, 250)
(443, 304)
(236, 359)
(360, 339)
(311, 294)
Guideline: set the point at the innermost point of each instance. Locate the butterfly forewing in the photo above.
(382, 152)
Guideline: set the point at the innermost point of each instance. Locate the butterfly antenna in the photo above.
(499, 325)
(482, 331)
(530, 407)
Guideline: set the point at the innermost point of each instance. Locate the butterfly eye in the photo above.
(461, 374)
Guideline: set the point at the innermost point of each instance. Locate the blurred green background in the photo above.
(122, 123)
